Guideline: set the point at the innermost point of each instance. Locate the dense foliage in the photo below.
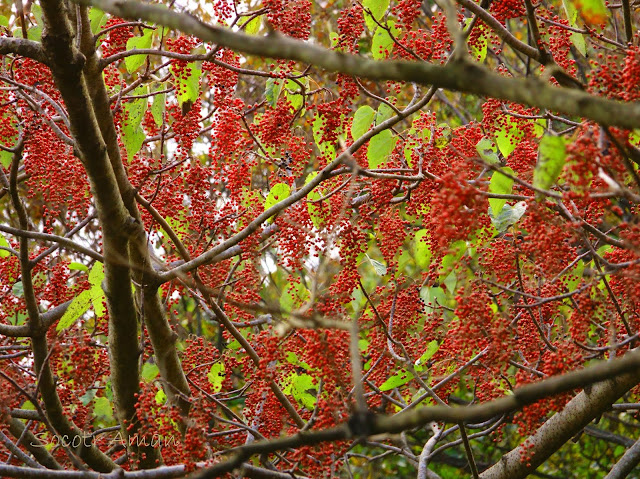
(320, 239)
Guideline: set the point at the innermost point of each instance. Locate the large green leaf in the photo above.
(102, 408)
(508, 137)
(593, 12)
(382, 42)
(188, 86)
(133, 138)
(552, 154)
(4, 243)
(324, 147)
(294, 297)
(399, 379)
(314, 208)
(143, 42)
(501, 185)
(252, 25)
(216, 376)
(432, 348)
(487, 151)
(132, 133)
(273, 89)
(149, 372)
(157, 108)
(301, 386)
(278, 193)
(134, 109)
(379, 267)
(362, 120)
(77, 308)
(97, 18)
(380, 148)
(377, 9)
(96, 276)
(423, 250)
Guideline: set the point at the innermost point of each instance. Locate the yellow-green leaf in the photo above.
(77, 308)
(216, 376)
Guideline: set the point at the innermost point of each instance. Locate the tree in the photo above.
(344, 239)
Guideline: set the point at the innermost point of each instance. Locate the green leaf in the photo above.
(77, 308)
(157, 108)
(552, 154)
(188, 88)
(384, 113)
(34, 33)
(444, 138)
(378, 8)
(160, 397)
(593, 12)
(97, 18)
(325, 148)
(77, 266)
(539, 127)
(252, 25)
(102, 407)
(178, 225)
(5, 243)
(479, 48)
(380, 148)
(88, 396)
(301, 385)
(4, 21)
(382, 42)
(400, 379)
(149, 372)
(216, 376)
(278, 193)
(571, 11)
(423, 250)
(272, 90)
(432, 295)
(487, 151)
(18, 289)
(432, 348)
(509, 215)
(96, 275)
(5, 158)
(578, 41)
(314, 209)
(134, 109)
(143, 42)
(133, 138)
(293, 93)
(294, 297)
(508, 137)
(500, 185)
(380, 268)
(362, 120)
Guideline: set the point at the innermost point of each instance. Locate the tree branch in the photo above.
(460, 75)
(578, 413)
(22, 47)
